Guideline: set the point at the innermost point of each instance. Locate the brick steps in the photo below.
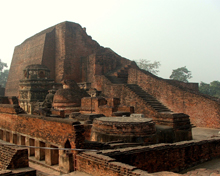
(116, 80)
(119, 76)
(6, 155)
(153, 102)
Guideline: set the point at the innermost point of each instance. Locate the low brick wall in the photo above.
(143, 160)
(168, 157)
(100, 165)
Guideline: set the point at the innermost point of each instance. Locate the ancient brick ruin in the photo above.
(69, 53)
(65, 91)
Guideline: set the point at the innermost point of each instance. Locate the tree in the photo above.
(212, 89)
(148, 66)
(181, 74)
(204, 88)
(3, 73)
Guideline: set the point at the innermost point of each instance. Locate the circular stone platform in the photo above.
(127, 129)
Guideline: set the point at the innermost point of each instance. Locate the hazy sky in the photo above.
(175, 32)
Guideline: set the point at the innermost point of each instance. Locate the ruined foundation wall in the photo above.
(154, 158)
(203, 111)
(169, 157)
(99, 165)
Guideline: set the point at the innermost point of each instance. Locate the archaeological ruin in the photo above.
(74, 105)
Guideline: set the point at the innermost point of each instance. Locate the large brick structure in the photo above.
(67, 51)
(70, 53)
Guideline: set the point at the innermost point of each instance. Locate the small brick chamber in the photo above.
(126, 129)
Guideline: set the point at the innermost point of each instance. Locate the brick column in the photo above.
(18, 139)
(39, 153)
(66, 162)
(11, 137)
(4, 135)
(51, 156)
(30, 142)
(1, 134)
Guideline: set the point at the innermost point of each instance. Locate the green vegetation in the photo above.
(148, 66)
(3, 73)
(181, 74)
(212, 89)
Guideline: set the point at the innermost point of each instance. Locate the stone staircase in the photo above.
(153, 102)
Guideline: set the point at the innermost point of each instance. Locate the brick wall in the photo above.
(60, 47)
(29, 52)
(154, 158)
(77, 46)
(193, 86)
(48, 58)
(53, 130)
(127, 97)
(107, 60)
(203, 110)
(67, 51)
(169, 157)
(9, 108)
(99, 165)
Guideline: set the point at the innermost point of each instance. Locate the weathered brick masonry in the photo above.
(127, 97)
(39, 131)
(67, 51)
(48, 129)
(60, 48)
(14, 161)
(154, 158)
(204, 111)
(70, 53)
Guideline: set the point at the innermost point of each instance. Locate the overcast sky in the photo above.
(175, 32)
